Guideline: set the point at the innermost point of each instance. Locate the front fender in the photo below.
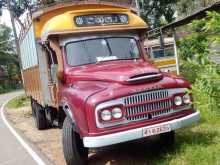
(74, 98)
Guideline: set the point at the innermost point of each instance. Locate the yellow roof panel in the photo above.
(63, 22)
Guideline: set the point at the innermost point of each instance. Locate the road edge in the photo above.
(31, 152)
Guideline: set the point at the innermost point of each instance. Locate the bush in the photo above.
(206, 89)
(197, 63)
(190, 70)
(2, 90)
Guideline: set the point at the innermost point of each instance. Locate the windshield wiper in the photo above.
(109, 48)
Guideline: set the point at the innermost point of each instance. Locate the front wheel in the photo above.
(74, 151)
(167, 138)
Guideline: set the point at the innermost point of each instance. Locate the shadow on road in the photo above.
(148, 151)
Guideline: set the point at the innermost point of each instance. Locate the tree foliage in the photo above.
(200, 60)
(17, 6)
(154, 11)
(186, 7)
(8, 60)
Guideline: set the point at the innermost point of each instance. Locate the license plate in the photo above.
(156, 130)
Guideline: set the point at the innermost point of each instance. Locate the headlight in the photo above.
(178, 101)
(117, 113)
(187, 99)
(106, 115)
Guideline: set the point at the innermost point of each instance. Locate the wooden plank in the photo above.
(32, 83)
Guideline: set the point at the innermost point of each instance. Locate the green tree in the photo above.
(200, 61)
(186, 7)
(8, 60)
(7, 53)
(155, 11)
(16, 9)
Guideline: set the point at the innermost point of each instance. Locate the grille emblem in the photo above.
(149, 88)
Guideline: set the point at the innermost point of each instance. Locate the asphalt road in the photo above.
(11, 151)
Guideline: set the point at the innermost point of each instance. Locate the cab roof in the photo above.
(61, 21)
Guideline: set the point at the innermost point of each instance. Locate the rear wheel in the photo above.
(33, 108)
(167, 138)
(74, 151)
(39, 116)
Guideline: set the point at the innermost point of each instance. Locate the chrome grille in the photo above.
(147, 105)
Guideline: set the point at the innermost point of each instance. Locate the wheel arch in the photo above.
(65, 111)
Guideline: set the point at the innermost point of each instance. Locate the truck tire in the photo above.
(40, 117)
(33, 108)
(74, 151)
(168, 138)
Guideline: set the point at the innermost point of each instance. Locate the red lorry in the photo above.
(85, 69)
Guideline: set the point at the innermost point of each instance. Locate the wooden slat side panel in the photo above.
(32, 83)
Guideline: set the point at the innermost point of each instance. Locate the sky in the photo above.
(5, 18)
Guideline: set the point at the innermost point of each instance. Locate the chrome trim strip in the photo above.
(106, 140)
(145, 77)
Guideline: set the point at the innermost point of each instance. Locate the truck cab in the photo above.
(91, 76)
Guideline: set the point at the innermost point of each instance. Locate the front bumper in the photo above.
(106, 140)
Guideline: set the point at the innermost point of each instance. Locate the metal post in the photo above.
(176, 52)
(162, 42)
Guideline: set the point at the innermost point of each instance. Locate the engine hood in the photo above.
(124, 72)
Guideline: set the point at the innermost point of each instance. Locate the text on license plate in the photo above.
(156, 130)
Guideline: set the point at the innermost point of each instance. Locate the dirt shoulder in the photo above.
(48, 142)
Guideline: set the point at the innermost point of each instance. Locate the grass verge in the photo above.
(18, 102)
(199, 144)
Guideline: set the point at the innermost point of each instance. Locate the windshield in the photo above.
(101, 49)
